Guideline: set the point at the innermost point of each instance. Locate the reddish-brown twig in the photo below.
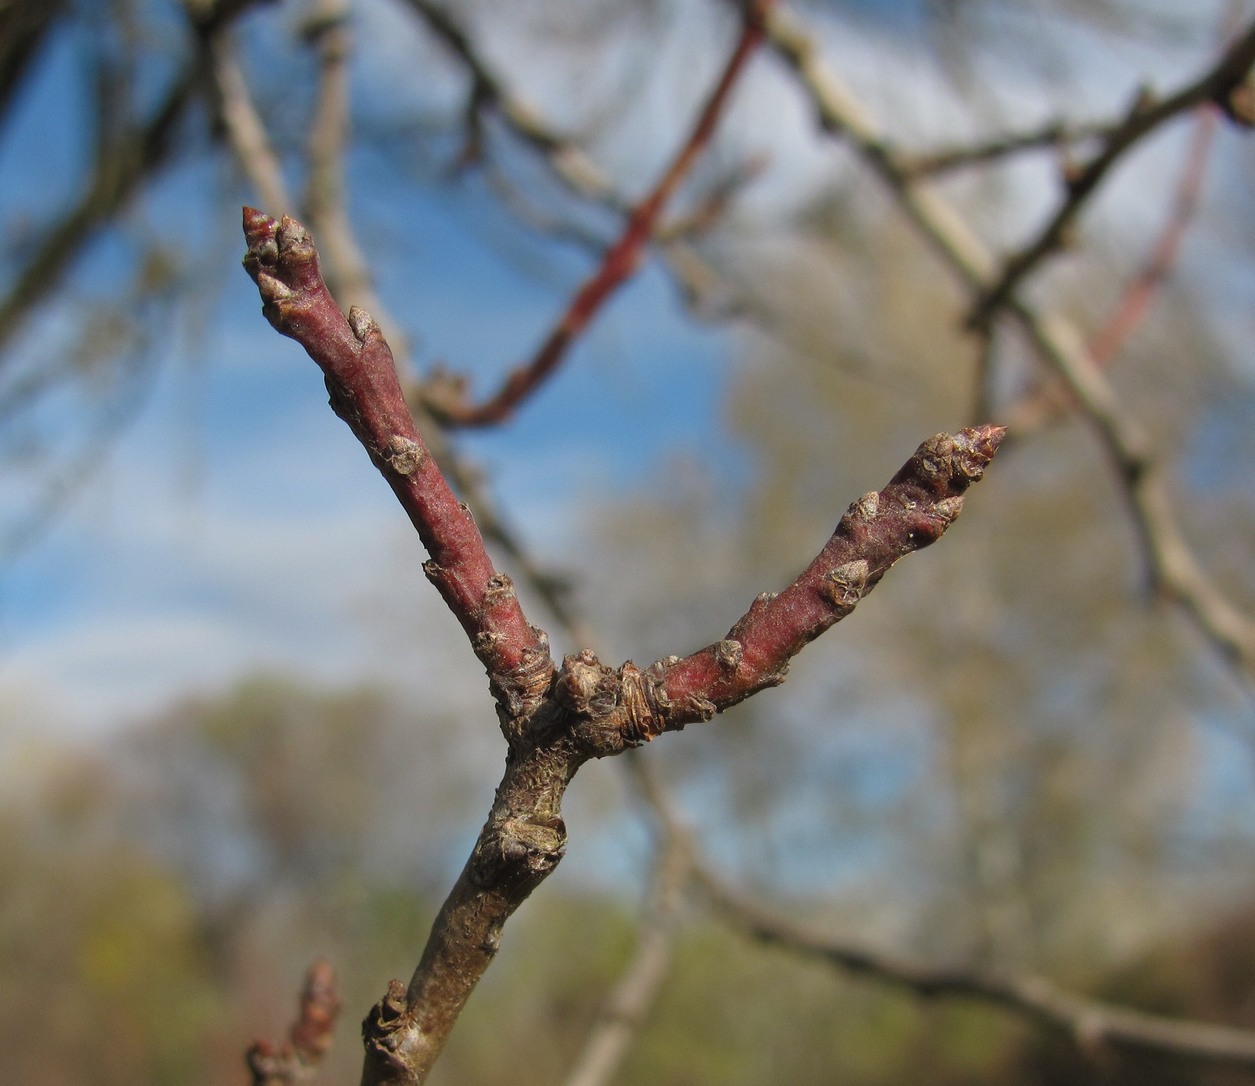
(593, 711)
(365, 392)
(918, 505)
(446, 394)
(556, 722)
(309, 1037)
(631, 706)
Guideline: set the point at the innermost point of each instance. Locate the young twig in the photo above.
(309, 1037)
(556, 721)
(446, 395)
(365, 392)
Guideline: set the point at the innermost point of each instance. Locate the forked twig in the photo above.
(554, 720)
(1144, 117)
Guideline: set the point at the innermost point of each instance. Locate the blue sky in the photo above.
(236, 526)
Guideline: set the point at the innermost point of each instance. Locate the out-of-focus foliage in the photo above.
(160, 901)
(129, 954)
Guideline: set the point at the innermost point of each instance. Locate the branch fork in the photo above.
(557, 718)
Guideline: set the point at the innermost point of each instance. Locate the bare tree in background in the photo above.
(909, 283)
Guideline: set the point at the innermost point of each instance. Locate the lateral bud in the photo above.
(864, 509)
(500, 588)
(403, 455)
(291, 234)
(845, 585)
(584, 686)
(948, 509)
(364, 326)
(729, 653)
(272, 290)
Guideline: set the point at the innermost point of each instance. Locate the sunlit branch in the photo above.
(919, 504)
(1091, 1024)
(1173, 568)
(622, 1017)
(446, 396)
(252, 147)
(1144, 117)
(587, 710)
(592, 711)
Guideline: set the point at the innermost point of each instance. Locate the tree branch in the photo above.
(242, 123)
(24, 25)
(1052, 135)
(1045, 402)
(446, 395)
(592, 711)
(346, 272)
(556, 722)
(1145, 115)
(566, 159)
(328, 32)
(124, 162)
(1088, 1022)
(1173, 569)
(309, 1037)
(365, 393)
